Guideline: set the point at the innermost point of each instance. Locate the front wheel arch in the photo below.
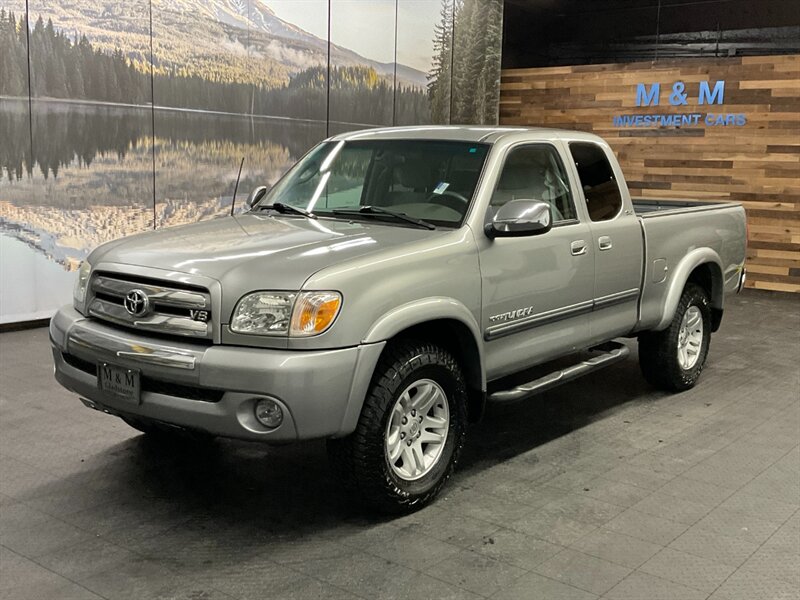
(457, 338)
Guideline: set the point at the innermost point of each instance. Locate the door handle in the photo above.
(578, 247)
(604, 242)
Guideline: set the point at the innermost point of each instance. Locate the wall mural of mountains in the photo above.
(124, 115)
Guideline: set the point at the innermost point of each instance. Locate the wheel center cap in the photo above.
(414, 428)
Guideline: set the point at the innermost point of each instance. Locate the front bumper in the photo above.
(214, 388)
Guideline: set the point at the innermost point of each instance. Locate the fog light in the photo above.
(269, 413)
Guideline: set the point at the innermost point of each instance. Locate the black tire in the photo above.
(658, 350)
(164, 433)
(360, 460)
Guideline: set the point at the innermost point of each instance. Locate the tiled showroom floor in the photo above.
(603, 488)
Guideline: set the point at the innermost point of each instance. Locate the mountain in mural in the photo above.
(241, 41)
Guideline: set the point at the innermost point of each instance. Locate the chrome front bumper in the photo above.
(214, 388)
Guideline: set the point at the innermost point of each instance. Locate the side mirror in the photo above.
(520, 218)
(255, 196)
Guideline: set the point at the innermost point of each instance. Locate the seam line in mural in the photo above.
(152, 114)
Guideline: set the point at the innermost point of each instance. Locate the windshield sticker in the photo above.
(440, 187)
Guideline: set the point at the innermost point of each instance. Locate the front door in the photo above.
(617, 241)
(537, 290)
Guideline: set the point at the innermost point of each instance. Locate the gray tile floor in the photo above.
(603, 488)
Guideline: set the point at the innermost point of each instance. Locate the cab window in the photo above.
(535, 172)
(600, 188)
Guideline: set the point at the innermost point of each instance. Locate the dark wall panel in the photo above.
(574, 32)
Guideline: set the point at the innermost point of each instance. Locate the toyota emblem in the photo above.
(137, 303)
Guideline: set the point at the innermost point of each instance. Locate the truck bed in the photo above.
(672, 230)
(649, 207)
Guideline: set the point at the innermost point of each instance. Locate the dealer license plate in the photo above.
(120, 381)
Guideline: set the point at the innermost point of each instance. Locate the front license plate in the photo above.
(120, 381)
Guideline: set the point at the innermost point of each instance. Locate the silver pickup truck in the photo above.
(391, 284)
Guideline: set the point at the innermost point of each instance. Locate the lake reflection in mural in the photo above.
(89, 176)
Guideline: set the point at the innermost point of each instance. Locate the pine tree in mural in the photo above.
(464, 84)
(439, 77)
(493, 36)
(65, 68)
(13, 55)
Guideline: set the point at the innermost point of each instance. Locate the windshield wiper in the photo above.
(288, 208)
(377, 210)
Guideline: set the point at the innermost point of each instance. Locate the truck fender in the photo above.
(389, 325)
(421, 311)
(680, 276)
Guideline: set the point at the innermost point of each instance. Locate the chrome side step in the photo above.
(608, 354)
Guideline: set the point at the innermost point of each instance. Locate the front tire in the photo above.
(410, 432)
(673, 359)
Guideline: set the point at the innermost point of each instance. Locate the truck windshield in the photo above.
(429, 180)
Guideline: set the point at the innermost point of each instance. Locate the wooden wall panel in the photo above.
(757, 164)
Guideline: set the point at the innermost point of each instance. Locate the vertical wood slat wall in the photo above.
(757, 164)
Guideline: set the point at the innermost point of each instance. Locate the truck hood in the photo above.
(257, 251)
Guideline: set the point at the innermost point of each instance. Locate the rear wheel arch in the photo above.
(709, 277)
(701, 266)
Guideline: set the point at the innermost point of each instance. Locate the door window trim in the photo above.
(555, 149)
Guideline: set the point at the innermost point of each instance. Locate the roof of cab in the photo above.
(463, 133)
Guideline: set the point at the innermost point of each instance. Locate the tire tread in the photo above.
(658, 349)
(356, 459)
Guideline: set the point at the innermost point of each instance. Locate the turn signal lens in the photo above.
(314, 312)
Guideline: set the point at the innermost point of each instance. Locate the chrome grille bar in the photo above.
(171, 311)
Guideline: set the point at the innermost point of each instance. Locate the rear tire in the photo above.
(673, 359)
(410, 432)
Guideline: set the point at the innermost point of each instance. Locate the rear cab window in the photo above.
(600, 187)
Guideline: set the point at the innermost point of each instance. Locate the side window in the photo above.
(535, 173)
(600, 189)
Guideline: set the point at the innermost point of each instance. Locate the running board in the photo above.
(609, 353)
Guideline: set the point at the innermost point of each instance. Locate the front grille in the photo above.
(179, 390)
(152, 384)
(168, 308)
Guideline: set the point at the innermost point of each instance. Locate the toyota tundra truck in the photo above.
(390, 285)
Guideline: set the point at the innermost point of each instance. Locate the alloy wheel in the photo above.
(417, 430)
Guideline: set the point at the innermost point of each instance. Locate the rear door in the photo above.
(616, 238)
(537, 290)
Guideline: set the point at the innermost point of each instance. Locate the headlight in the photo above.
(81, 285)
(264, 313)
(296, 314)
